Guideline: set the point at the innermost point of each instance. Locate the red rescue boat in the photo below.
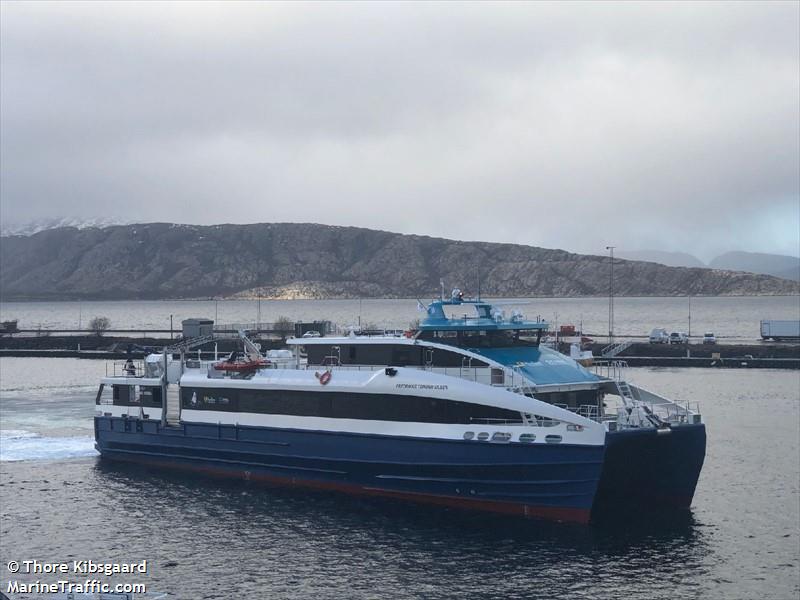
(239, 366)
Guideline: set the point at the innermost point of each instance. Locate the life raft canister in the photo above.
(324, 378)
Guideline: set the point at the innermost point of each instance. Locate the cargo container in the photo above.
(780, 330)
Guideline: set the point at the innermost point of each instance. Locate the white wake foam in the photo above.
(15, 434)
(17, 445)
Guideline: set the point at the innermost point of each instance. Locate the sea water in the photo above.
(207, 538)
(727, 317)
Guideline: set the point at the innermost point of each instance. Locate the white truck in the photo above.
(780, 330)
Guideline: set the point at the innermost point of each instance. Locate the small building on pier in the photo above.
(193, 328)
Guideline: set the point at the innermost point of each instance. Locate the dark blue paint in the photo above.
(639, 467)
(645, 468)
(553, 475)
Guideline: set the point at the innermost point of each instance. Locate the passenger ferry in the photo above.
(469, 411)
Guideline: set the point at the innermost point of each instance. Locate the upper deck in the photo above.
(538, 365)
(486, 318)
(485, 339)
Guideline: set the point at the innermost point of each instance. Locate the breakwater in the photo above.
(759, 355)
(638, 354)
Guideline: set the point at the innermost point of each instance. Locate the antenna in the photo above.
(611, 297)
(441, 294)
(479, 285)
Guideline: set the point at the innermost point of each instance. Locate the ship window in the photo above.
(346, 405)
(151, 396)
(403, 357)
(209, 399)
(446, 334)
(133, 394)
(122, 395)
(399, 355)
(574, 399)
(498, 377)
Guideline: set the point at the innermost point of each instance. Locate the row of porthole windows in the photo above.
(503, 436)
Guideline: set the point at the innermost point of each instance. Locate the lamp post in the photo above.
(611, 296)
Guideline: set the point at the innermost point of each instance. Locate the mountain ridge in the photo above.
(306, 260)
(758, 262)
(779, 265)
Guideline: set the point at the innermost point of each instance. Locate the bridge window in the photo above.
(122, 395)
(151, 396)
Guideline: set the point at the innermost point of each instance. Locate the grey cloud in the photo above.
(668, 125)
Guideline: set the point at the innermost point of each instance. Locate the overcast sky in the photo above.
(575, 126)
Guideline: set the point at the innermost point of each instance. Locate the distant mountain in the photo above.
(787, 267)
(45, 224)
(671, 259)
(296, 260)
(753, 262)
(793, 274)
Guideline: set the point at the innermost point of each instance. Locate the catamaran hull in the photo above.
(552, 481)
(651, 468)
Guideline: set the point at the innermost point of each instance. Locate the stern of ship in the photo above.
(650, 468)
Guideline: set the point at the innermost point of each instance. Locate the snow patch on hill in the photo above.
(33, 227)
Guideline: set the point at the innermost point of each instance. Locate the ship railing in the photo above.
(125, 368)
(610, 369)
(665, 409)
(675, 413)
(589, 411)
(233, 329)
(651, 406)
(490, 421)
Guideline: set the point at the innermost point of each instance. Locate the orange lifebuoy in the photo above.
(325, 377)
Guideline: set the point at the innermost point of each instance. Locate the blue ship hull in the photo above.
(645, 468)
(553, 481)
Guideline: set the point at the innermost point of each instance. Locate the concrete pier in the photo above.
(639, 354)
